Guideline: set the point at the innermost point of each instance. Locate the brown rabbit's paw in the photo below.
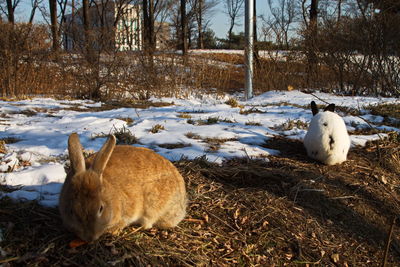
(147, 223)
(115, 229)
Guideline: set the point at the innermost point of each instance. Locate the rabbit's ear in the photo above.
(103, 155)
(75, 153)
(330, 107)
(314, 108)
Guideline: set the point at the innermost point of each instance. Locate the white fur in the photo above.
(324, 127)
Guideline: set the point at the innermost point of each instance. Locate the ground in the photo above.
(275, 210)
(290, 210)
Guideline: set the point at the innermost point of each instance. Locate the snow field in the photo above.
(34, 165)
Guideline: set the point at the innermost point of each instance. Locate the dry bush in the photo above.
(216, 72)
(224, 57)
(361, 52)
(24, 61)
(273, 73)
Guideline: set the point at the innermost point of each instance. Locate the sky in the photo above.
(35, 163)
(219, 22)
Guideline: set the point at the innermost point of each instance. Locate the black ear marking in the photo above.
(314, 108)
(330, 107)
(331, 142)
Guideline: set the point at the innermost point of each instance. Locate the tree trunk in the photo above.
(149, 40)
(152, 36)
(313, 25)
(53, 20)
(145, 25)
(72, 27)
(230, 34)
(311, 37)
(86, 27)
(10, 10)
(200, 42)
(184, 45)
(314, 12)
(255, 48)
(94, 88)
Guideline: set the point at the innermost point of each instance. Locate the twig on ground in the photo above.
(389, 238)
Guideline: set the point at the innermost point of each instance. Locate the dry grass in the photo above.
(192, 135)
(290, 124)
(208, 121)
(253, 123)
(129, 121)
(214, 144)
(390, 113)
(123, 135)
(3, 149)
(233, 103)
(386, 110)
(250, 111)
(184, 116)
(109, 105)
(174, 145)
(157, 128)
(223, 57)
(388, 152)
(10, 140)
(289, 211)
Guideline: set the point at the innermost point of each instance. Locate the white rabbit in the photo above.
(327, 139)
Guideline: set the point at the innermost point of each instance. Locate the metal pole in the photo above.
(248, 50)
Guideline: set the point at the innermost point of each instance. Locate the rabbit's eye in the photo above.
(101, 209)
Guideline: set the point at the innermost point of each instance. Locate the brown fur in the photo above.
(132, 184)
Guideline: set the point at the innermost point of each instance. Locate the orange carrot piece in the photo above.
(76, 243)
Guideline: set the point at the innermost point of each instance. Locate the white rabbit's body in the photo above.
(327, 139)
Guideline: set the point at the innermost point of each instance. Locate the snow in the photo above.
(34, 165)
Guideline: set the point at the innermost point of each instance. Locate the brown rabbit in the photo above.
(118, 186)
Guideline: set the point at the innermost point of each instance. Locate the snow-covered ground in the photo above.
(41, 126)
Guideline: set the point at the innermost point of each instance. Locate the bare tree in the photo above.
(199, 19)
(11, 5)
(234, 9)
(311, 36)
(35, 4)
(54, 24)
(199, 13)
(255, 49)
(284, 14)
(184, 25)
(149, 39)
(87, 31)
(62, 4)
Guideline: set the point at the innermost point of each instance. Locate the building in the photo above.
(163, 35)
(112, 27)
